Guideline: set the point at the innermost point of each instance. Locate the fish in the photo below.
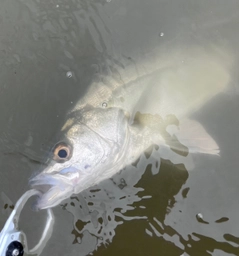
(128, 110)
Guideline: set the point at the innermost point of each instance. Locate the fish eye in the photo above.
(62, 152)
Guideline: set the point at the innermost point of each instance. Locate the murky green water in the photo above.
(144, 210)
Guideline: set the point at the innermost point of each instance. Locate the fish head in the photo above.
(92, 149)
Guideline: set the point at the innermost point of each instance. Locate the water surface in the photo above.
(50, 53)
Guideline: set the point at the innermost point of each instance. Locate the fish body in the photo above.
(118, 119)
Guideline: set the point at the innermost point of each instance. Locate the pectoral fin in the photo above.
(194, 137)
(176, 139)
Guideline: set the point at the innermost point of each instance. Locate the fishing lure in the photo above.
(13, 241)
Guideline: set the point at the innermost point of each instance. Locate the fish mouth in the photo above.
(54, 190)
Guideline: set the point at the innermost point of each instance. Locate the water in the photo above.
(50, 53)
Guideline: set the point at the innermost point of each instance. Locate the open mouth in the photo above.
(55, 189)
(42, 180)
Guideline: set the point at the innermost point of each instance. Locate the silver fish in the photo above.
(122, 116)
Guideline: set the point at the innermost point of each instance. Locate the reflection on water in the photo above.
(51, 51)
(100, 209)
